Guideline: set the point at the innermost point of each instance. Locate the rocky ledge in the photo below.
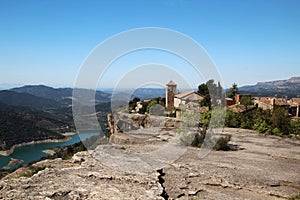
(262, 167)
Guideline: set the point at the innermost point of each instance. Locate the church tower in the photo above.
(170, 94)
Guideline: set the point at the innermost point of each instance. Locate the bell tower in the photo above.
(170, 94)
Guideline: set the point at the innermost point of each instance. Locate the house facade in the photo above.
(268, 103)
(294, 107)
(186, 98)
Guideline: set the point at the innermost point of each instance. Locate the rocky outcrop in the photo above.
(112, 126)
(124, 122)
(262, 167)
(82, 177)
(125, 128)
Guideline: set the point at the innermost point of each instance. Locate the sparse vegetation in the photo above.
(67, 152)
(222, 143)
(218, 143)
(195, 138)
(146, 105)
(159, 101)
(34, 169)
(132, 103)
(296, 197)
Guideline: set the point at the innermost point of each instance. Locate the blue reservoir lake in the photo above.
(33, 152)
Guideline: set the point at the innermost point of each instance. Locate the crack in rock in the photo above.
(161, 181)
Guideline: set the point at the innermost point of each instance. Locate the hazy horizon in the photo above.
(7, 86)
(46, 42)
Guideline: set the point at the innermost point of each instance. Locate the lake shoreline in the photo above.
(11, 150)
(12, 162)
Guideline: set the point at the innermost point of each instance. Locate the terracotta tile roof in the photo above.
(265, 100)
(281, 102)
(278, 101)
(183, 94)
(171, 83)
(190, 95)
(237, 108)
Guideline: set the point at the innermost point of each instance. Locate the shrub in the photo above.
(232, 119)
(244, 125)
(281, 120)
(262, 127)
(295, 126)
(222, 143)
(219, 142)
(277, 132)
(198, 140)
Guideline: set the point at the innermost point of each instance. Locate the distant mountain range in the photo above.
(38, 112)
(61, 95)
(147, 93)
(28, 100)
(280, 88)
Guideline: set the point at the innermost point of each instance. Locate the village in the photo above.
(190, 100)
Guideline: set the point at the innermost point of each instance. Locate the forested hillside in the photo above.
(21, 124)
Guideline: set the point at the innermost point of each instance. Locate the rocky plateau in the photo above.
(261, 167)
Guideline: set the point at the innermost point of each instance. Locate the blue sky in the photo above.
(45, 42)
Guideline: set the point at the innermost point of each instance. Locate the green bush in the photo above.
(160, 101)
(277, 132)
(281, 120)
(244, 125)
(198, 140)
(295, 126)
(276, 122)
(262, 127)
(232, 119)
(222, 143)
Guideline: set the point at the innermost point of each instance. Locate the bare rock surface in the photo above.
(263, 167)
(82, 177)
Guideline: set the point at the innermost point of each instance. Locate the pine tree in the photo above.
(232, 91)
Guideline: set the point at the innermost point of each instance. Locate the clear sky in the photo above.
(46, 41)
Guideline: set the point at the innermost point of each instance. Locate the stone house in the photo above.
(268, 103)
(294, 109)
(187, 98)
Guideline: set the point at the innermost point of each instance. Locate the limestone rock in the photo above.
(262, 167)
